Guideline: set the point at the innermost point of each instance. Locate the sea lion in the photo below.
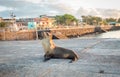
(53, 51)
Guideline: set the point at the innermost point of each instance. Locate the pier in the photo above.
(98, 58)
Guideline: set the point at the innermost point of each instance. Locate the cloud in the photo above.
(106, 13)
(32, 1)
(34, 8)
(2, 8)
(110, 13)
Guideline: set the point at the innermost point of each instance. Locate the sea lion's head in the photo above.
(46, 35)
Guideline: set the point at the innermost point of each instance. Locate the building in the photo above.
(1, 19)
(10, 24)
(46, 21)
(24, 21)
(41, 22)
(9, 20)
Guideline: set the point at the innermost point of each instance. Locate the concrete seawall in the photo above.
(57, 33)
(74, 32)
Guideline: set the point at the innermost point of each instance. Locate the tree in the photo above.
(104, 22)
(118, 20)
(59, 20)
(98, 20)
(110, 20)
(69, 18)
(65, 19)
(85, 19)
(91, 20)
(2, 24)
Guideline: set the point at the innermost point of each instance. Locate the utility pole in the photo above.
(12, 16)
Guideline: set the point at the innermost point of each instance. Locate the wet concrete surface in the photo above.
(99, 57)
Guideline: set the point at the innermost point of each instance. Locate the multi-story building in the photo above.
(41, 22)
(7, 20)
(46, 21)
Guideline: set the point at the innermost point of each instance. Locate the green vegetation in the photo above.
(65, 19)
(68, 20)
(3, 24)
(118, 20)
(111, 20)
(93, 20)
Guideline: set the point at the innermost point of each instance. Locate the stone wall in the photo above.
(57, 33)
(20, 35)
(75, 32)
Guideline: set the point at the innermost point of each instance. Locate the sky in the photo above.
(34, 8)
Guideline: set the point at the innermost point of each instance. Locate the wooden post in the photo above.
(36, 33)
(4, 34)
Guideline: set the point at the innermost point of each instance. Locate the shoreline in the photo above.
(57, 33)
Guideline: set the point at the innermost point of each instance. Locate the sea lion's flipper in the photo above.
(73, 60)
(46, 59)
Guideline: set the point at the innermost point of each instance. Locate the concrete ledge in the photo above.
(98, 58)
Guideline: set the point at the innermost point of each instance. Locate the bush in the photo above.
(2, 24)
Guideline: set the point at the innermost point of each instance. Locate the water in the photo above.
(110, 34)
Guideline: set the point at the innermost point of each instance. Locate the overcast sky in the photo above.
(34, 8)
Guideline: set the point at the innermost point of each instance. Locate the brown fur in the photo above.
(52, 51)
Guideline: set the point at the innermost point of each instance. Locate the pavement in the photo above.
(99, 57)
